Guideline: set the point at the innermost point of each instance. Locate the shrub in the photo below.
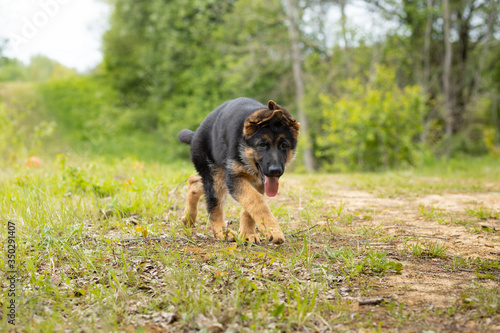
(372, 127)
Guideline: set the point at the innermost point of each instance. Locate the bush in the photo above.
(372, 127)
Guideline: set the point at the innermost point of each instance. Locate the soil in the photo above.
(427, 285)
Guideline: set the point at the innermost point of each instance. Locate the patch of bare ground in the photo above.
(431, 291)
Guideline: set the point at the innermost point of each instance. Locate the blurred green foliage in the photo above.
(172, 62)
(372, 126)
(90, 120)
(372, 104)
(23, 125)
(40, 69)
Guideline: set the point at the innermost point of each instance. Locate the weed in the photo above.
(483, 213)
(432, 213)
(426, 248)
(480, 229)
(371, 231)
(463, 222)
(338, 210)
(483, 268)
(485, 301)
(397, 311)
(487, 269)
(372, 263)
(429, 213)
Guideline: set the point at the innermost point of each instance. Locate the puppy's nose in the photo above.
(275, 171)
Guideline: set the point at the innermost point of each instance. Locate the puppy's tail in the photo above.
(186, 136)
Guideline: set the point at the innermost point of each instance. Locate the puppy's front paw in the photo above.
(226, 234)
(252, 238)
(276, 236)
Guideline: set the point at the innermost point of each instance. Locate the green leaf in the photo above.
(279, 310)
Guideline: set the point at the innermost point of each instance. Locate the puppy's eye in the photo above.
(284, 145)
(263, 144)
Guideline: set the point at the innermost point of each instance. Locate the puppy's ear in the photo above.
(249, 128)
(285, 117)
(296, 128)
(293, 124)
(272, 105)
(259, 119)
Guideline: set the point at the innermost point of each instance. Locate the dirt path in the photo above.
(465, 225)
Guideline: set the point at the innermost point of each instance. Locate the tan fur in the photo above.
(272, 105)
(289, 158)
(254, 204)
(247, 228)
(249, 155)
(217, 217)
(220, 184)
(253, 121)
(279, 137)
(250, 195)
(295, 127)
(255, 212)
(195, 191)
(253, 179)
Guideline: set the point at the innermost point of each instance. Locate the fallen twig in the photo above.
(371, 301)
(423, 236)
(301, 231)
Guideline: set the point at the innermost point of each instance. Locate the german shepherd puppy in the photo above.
(241, 147)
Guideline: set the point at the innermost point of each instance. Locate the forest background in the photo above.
(425, 87)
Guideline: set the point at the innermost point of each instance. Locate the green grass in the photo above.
(431, 213)
(100, 247)
(426, 248)
(483, 213)
(464, 174)
(352, 262)
(483, 268)
(482, 301)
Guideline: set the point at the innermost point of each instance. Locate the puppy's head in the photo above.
(270, 142)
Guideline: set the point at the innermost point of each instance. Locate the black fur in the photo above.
(186, 136)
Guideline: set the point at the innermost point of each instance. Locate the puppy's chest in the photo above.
(257, 183)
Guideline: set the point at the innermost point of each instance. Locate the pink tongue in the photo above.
(271, 185)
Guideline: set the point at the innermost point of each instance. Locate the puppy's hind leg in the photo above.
(215, 192)
(247, 228)
(195, 191)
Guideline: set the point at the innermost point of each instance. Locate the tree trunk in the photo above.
(427, 81)
(343, 20)
(488, 40)
(427, 47)
(291, 14)
(447, 70)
